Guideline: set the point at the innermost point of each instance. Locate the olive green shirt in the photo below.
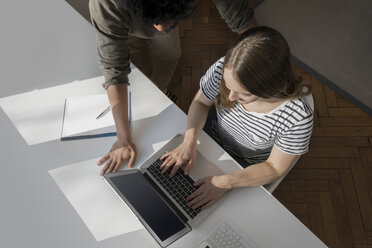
(113, 24)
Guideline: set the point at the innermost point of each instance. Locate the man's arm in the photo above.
(118, 97)
(123, 149)
(111, 26)
(237, 14)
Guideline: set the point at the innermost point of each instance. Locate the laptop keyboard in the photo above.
(179, 187)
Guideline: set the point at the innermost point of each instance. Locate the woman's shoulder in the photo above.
(217, 67)
(215, 71)
(220, 62)
(211, 80)
(302, 107)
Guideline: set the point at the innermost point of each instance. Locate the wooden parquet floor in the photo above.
(330, 188)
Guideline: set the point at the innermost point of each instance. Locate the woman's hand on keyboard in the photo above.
(183, 156)
(117, 156)
(210, 190)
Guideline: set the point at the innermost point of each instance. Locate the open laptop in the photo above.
(159, 201)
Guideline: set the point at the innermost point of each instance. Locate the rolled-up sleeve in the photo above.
(111, 27)
(236, 13)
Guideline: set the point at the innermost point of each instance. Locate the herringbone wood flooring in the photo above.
(330, 188)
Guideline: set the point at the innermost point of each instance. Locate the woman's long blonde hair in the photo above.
(260, 60)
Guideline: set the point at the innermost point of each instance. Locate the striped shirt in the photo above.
(251, 135)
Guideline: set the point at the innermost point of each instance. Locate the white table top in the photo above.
(34, 207)
(33, 211)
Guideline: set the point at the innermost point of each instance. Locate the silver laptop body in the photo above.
(201, 168)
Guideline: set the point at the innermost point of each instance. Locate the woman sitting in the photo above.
(263, 119)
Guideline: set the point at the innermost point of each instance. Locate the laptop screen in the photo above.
(138, 192)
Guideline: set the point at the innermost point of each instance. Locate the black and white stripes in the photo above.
(251, 135)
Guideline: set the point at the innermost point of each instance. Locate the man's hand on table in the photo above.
(117, 156)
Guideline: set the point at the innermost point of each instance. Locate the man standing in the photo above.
(146, 33)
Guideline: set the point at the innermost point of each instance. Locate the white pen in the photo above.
(104, 112)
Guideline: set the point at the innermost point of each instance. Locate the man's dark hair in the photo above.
(162, 11)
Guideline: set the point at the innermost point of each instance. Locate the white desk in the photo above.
(33, 210)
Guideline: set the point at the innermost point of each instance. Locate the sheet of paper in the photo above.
(81, 116)
(38, 114)
(98, 206)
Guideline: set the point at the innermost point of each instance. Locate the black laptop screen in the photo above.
(148, 204)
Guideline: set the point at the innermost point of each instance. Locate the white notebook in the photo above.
(80, 117)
